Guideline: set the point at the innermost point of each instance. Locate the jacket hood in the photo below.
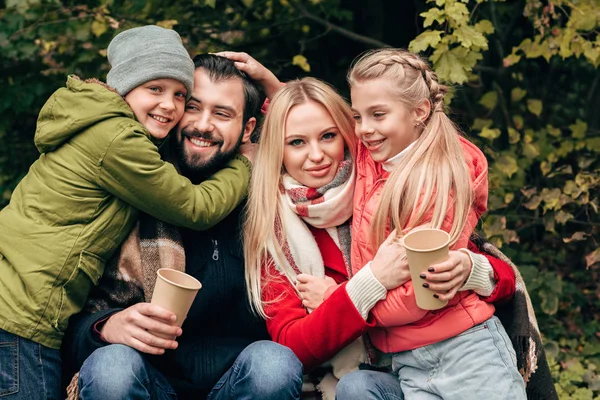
(74, 108)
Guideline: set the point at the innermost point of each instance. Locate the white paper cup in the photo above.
(425, 247)
(175, 291)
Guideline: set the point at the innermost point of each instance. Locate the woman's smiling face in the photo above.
(313, 146)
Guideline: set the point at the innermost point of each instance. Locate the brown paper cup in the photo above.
(175, 291)
(425, 247)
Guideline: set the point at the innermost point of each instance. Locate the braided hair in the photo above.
(433, 175)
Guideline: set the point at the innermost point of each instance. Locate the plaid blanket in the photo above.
(519, 320)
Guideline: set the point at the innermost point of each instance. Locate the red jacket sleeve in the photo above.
(315, 337)
(503, 275)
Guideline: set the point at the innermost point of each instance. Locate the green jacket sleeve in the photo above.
(132, 170)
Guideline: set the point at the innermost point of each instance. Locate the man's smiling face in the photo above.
(211, 129)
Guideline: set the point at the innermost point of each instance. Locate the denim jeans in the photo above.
(28, 370)
(263, 370)
(479, 363)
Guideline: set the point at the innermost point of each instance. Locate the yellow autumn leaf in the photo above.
(579, 128)
(576, 237)
(592, 258)
(490, 134)
(517, 94)
(507, 165)
(99, 26)
(530, 151)
(489, 100)
(425, 40)
(534, 106)
(300, 61)
(513, 136)
(167, 24)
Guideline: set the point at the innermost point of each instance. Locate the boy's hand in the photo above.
(312, 289)
(255, 70)
(132, 325)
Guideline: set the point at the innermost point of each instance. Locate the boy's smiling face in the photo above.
(158, 105)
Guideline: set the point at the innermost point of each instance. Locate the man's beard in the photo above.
(193, 166)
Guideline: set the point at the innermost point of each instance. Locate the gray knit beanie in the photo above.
(139, 55)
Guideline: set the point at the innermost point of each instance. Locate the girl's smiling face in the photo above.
(313, 146)
(385, 125)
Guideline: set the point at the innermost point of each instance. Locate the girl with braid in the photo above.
(297, 239)
(414, 169)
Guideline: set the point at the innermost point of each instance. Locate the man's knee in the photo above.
(112, 372)
(271, 368)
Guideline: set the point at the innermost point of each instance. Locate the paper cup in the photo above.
(175, 291)
(425, 247)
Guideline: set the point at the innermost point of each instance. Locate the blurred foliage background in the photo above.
(526, 90)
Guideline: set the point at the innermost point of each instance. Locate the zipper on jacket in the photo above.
(215, 255)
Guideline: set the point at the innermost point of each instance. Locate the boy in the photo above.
(98, 166)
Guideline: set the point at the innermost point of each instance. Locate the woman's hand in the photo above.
(312, 289)
(447, 277)
(389, 265)
(255, 70)
(132, 325)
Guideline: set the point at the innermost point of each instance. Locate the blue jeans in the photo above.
(28, 370)
(479, 363)
(263, 370)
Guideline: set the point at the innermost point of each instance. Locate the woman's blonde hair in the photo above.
(263, 212)
(433, 175)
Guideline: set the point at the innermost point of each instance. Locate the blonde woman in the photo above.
(298, 227)
(415, 169)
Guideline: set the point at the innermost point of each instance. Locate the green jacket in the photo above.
(80, 199)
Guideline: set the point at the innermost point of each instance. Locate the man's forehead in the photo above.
(228, 92)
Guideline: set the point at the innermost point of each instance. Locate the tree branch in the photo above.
(342, 31)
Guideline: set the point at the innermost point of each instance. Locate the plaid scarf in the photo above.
(328, 207)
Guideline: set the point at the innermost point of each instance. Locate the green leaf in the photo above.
(507, 165)
(167, 24)
(518, 121)
(433, 15)
(549, 302)
(516, 94)
(484, 26)
(593, 144)
(300, 61)
(469, 37)
(425, 40)
(530, 151)
(490, 134)
(210, 3)
(99, 27)
(534, 106)
(511, 60)
(513, 136)
(579, 128)
(481, 123)
(458, 12)
(489, 100)
(553, 131)
(450, 69)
